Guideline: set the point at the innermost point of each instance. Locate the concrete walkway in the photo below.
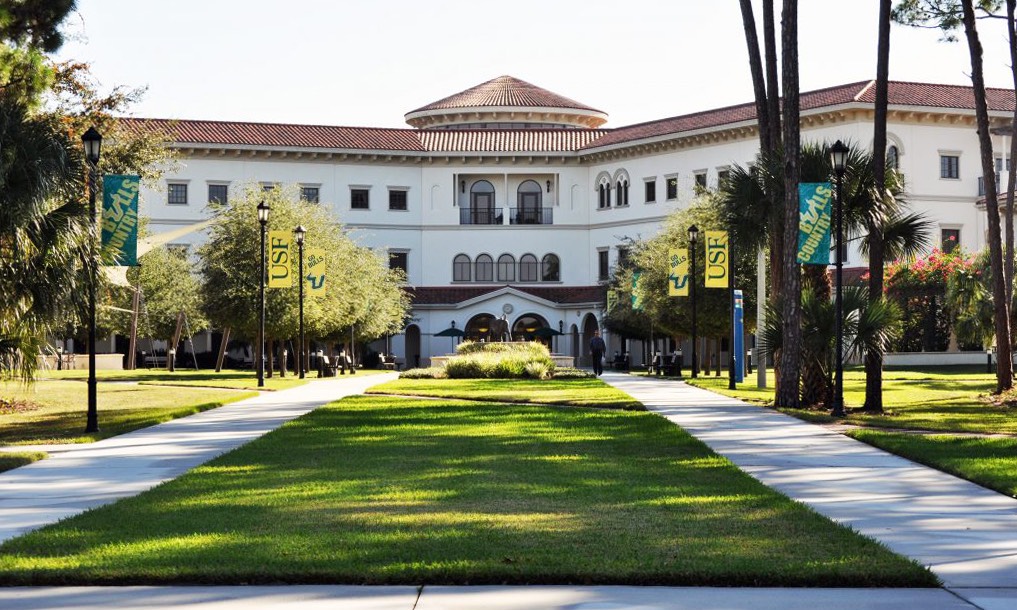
(966, 534)
(93, 474)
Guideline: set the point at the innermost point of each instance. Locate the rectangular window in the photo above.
(623, 256)
(949, 239)
(177, 194)
(399, 260)
(603, 270)
(359, 199)
(268, 186)
(310, 194)
(396, 200)
(672, 188)
(218, 193)
(650, 189)
(722, 176)
(949, 167)
(700, 180)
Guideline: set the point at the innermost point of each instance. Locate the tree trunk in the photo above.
(756, 69)
(269, 366)
(791, 293)
(1001, 317)
(1011, 26)
(874, 358)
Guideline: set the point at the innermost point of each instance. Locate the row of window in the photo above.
(218, 193)
(484, 269)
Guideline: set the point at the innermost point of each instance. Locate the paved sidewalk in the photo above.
(91, 475)
(965, 533)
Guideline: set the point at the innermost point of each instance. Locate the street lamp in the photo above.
(299, 233)
(92, 142)
(263, 210)
(838, 158)
(693, 240)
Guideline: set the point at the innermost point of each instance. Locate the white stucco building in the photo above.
(508, 199)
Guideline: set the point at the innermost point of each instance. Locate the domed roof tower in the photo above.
(506, 103)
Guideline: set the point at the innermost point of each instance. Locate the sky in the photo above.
(368, 63)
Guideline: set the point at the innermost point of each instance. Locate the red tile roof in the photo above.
(546, 140)
(436, 295)
(504, 91)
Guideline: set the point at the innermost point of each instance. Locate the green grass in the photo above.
(122, 407)
(990, 462)
(16, 459)
(574, 392)
(388, 490)
(917, 400)
(240, 380)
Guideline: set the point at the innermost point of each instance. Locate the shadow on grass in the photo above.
(379, 490)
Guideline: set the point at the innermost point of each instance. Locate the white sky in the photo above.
(367, 63)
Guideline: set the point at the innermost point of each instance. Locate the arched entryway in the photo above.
(412, 355)
(479, 328)
(528, 327)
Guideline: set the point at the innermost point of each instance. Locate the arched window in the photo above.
(528, 268)
(479, 327)
(526, 327)
(622, 193)
(528, 202)
(604, 195)
(484, 268)
(482, 203)
(461, 268)
(892, 157)
(506, 268)
(549, 269)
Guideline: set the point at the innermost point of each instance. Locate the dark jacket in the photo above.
(597, 345)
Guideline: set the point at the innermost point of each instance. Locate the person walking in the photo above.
(597, 349)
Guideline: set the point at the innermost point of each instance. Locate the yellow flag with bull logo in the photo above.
(716, 259)
(314, 271)
(280, 269)
(678, 276)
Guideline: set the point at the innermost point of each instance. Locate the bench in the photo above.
(670, 366)
(156, 362)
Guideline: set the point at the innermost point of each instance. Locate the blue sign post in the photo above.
(738, 323)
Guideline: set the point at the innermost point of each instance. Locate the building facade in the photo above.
(508, 201)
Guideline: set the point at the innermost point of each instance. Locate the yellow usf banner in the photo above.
(280, 272)
(716, 259)
(678, 275)
(314, 272)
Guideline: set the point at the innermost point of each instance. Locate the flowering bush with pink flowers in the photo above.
(928, 275)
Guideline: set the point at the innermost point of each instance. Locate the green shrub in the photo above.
(500, 361)
(434, 372)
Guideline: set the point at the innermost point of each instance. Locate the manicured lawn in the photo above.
(19, 458)
(918, 400)
(990, 462)
(574, 392)
(241, 380)
(122, 407)
(392, 490)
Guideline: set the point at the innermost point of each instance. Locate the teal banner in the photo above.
(120, 218)
(815, 207)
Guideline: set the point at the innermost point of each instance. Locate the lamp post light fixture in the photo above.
(263, 210)
(693, 240)
(838, 159)
(299, 233)
(92, 142)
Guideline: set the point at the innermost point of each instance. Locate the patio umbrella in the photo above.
(450, 332)
(547, 331)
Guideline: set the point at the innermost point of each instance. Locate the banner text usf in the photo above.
(716, 259)
(280, 274)
(120, 218)
(815, 205)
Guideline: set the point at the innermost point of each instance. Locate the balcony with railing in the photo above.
(481, 216)
(531, 216)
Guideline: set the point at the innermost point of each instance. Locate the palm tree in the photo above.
(752, 199)
(42, 228)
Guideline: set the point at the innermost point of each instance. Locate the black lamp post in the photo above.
(263, 210)
(92, 141)
(299, 233)
(838, 158)
(693, 240)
